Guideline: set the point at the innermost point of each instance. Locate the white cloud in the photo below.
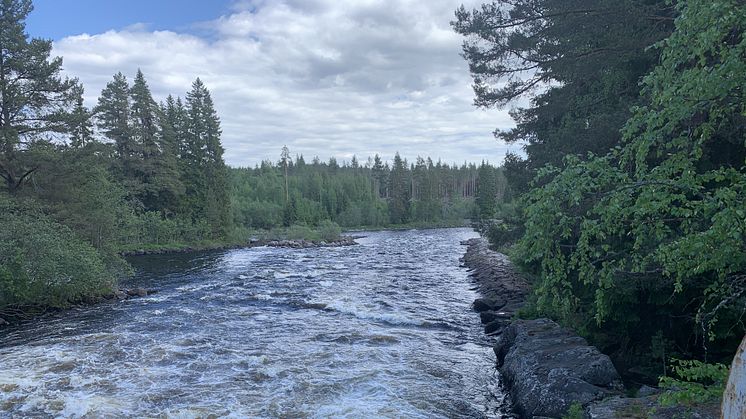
(325, 77)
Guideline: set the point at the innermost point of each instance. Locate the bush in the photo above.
(43, 262)
(697, 383)
(329, 231)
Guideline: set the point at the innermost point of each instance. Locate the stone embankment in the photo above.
(545, 367)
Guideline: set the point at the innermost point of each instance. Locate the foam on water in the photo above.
(382, 329)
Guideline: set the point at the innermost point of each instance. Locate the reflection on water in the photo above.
(380, 329)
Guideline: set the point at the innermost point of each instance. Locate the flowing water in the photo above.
(382, 329)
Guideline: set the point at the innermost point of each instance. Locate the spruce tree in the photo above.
(113, 118)
(206, 179)
(80, 125)
(157, 158)
(400, 191)
(486, 198)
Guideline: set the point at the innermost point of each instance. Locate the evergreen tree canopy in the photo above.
(35, 99)
(580, 60)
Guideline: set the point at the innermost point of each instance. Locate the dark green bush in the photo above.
(43, 262)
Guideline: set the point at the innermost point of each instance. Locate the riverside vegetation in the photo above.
(631, 208)
(83, 186)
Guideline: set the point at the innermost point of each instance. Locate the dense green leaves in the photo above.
(652, 236)
(43, 262)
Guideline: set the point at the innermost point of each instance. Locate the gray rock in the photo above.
(646, 391)
(647, 408)
(137, 292)
(495, 326)
(549, 368)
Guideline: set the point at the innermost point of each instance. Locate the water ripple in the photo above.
(382, 329)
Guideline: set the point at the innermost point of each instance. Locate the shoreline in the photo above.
(548, 369)
(14, 316)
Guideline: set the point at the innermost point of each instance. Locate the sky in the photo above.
(324, 77)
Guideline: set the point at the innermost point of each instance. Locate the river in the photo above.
(381, 329)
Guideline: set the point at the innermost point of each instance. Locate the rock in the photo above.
(137, 292)
(3, 322)
(647, 408)
(646, 391)
(549, 368)
(121, 295)
(495, 326)
(621, 407)
(482, 304)
(487, 316)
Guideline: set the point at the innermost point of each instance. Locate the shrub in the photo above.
(329, 231)
(697, 383)
(43, 262)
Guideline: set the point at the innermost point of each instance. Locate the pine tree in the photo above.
(284, 161)
(35, 98)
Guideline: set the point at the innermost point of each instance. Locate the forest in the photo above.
(630, 208)
(84, 186)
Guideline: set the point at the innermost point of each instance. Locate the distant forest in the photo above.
(352, 194)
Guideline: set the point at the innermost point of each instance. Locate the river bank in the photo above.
(255, 242)
(548, 369)
(11, 316)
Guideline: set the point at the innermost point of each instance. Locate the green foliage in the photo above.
(585, 58)
(697, 383)
(329, 231)
(35, 97)
(399, 187)
(575, 411)
(652, 236)
(351, 195)
(42, 262)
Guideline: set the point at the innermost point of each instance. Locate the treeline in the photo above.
(632, 207)
(351, 194)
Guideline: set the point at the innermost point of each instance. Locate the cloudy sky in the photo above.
(325, 77)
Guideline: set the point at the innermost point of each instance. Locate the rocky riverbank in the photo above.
(545, 367)
(305, 244)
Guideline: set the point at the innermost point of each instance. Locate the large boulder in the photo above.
(549, 368)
